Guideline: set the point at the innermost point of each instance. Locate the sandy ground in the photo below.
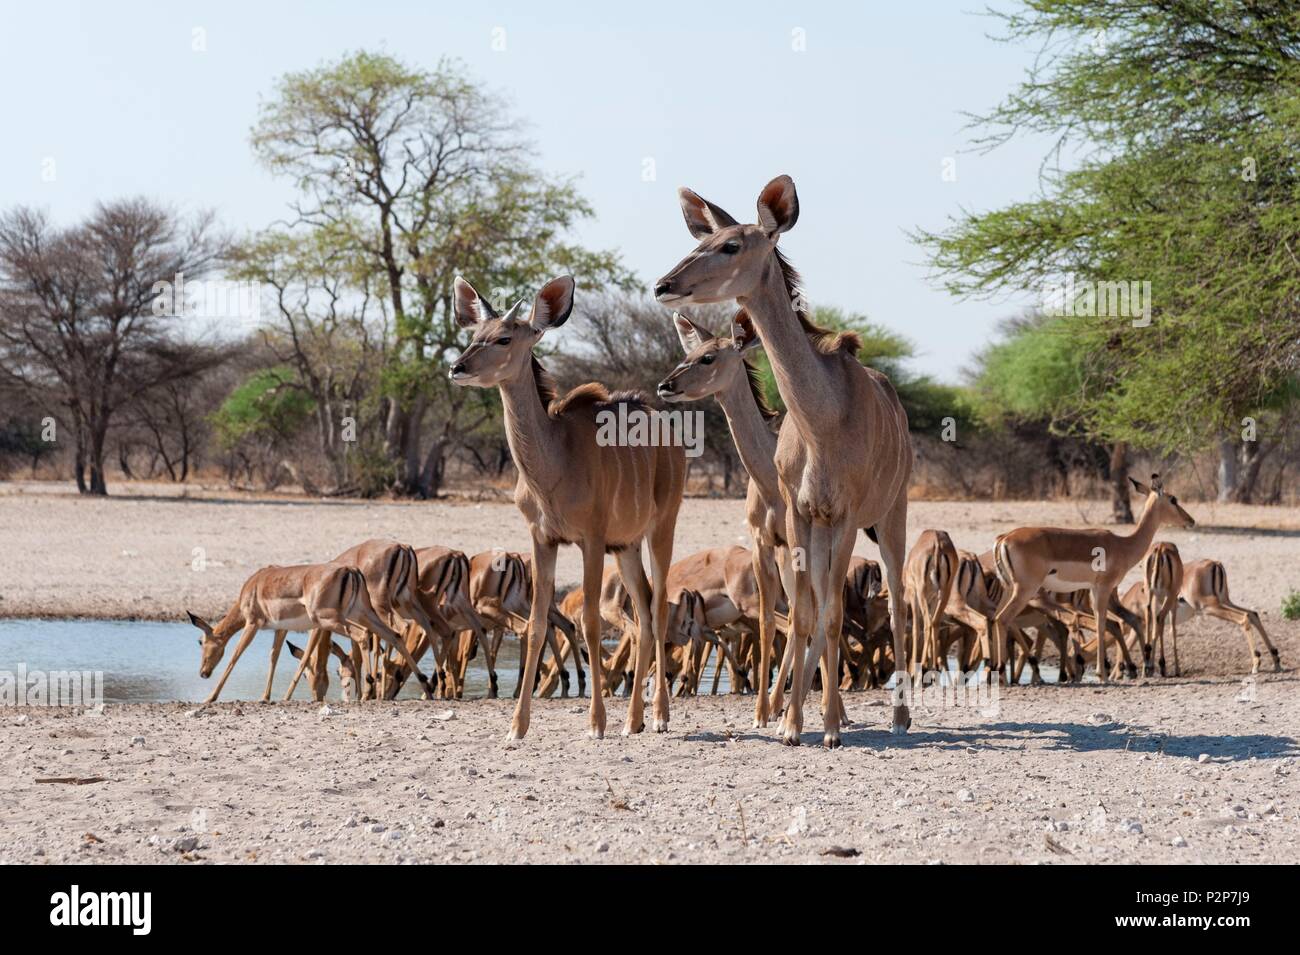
(1202, 769)
(1189, 772)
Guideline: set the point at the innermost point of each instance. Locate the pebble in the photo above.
(602, 847)
(1178, 842)
(1203, 758)
(965, 795)
(137, 740)
(1129, 826)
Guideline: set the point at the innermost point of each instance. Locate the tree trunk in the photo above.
(1121, 512)
(1227, 468)
(1252, 457)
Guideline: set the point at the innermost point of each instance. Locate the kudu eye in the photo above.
(502, 341)
(731, 246)
(706, 360)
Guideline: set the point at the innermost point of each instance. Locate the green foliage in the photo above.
(1291, 606)
(266, 405)
(927, 401)
(1184, 124)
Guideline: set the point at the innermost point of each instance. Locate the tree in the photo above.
(1036, 374)
(80, 332)
(1182, 122)
(407, 177)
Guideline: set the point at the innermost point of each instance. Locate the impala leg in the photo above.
(544, 554)
(1173, 636)
(308, 654)
(892, 535)
(244, 640)
(1100, 601)
(275, 656)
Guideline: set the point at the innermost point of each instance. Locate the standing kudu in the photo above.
(578, 487)
(843, 454)
(717, 366)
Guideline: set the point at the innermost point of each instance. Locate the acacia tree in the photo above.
(1182, 122)
(79, 331)
(409, 176)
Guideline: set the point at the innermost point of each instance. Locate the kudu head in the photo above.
(712, 364)
(212, 643)
(1163, 507)
(731, 259)
(503, 344)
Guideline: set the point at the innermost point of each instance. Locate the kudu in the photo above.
(579, 487)
(843, 454)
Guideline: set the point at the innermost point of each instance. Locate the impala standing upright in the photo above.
(843, 453)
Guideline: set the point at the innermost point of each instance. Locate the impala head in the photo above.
(348, 686)
(503, 344)
(212, 644)
(731, 258)
(712, 364)
(1163, 507)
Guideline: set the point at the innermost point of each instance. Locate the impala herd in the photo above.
(839, 461)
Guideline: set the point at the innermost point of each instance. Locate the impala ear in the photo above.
(553, 304)
(297, 653)
(199, 622)
(692, 336)
(703, 218)
(470, 307)
(778, 206)
(743, 333)
(1141, 488)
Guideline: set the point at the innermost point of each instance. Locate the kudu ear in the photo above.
(692, 336)
(703, 218)
(743, 332)
(470, 307)
(778, 206)
(1141, 488)
(553, 304)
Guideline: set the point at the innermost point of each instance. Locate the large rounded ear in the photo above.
(1141, 488)
(553, 304)
(692, 336)
(703, 218)
(470, 307)
(778, 206)
(743, 333)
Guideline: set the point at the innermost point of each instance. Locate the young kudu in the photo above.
(843, 454)
(575, 487)
(1063, 560)
(717, 366)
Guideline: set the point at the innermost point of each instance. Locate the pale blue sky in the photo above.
(713, 93)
